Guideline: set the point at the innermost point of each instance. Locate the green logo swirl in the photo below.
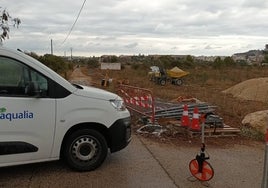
(2, 110)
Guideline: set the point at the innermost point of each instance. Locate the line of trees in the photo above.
(56, 63)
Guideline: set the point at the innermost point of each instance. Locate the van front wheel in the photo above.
(85, 150)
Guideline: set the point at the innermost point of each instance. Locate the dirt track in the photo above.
(79, 78)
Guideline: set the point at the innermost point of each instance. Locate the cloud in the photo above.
(255, 4)
(211, 47)
(137, 26)
(132, 45)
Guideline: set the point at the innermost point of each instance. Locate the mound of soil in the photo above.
(254, 89)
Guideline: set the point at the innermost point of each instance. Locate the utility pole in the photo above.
(265, 166)
(51, 46)
(71, 53)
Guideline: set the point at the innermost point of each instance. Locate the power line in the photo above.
(74, 22)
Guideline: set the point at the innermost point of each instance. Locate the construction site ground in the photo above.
(94, 77)
(237, 160)
(150, 161)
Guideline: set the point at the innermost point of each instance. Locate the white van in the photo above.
(43, 117)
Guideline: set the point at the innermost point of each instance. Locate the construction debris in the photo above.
(175, 109)
(151, 129)
(154, 112)
(213, 120)
(168, 116)
(225, 131)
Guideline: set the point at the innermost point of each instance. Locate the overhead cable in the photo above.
(74, 23)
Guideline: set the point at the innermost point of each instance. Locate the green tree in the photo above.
(228, 61)
(54, 62)
(217, 63)
(93, 62)
(5, 20)
(265, 60)
(166, 61)
(34, 55)
(114, 59)
(189, 59)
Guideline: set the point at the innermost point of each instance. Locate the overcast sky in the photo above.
(131, 27)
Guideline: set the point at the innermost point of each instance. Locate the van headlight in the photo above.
(118, 104)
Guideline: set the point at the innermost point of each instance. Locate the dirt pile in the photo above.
(258, 120)
(254, 89)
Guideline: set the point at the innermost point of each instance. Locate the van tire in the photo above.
(85, 150)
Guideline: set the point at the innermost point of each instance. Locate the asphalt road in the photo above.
(145, 163)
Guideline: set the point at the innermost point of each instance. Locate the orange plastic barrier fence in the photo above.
(138, 99)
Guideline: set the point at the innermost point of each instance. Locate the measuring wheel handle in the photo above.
(200, 160)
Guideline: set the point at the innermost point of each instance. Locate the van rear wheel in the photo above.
(85, 150)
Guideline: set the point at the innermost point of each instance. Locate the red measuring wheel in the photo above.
(199, 167)
(202, 173)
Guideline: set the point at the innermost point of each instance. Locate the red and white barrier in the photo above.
(138, 99)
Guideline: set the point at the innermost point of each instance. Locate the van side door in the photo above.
(27, 120)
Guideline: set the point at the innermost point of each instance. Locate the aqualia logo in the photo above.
(2, 110)
(4, 115)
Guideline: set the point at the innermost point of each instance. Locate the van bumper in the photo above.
(120, 134)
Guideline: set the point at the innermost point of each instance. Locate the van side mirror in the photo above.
(32, 89)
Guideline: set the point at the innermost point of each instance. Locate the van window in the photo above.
(15, 77)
